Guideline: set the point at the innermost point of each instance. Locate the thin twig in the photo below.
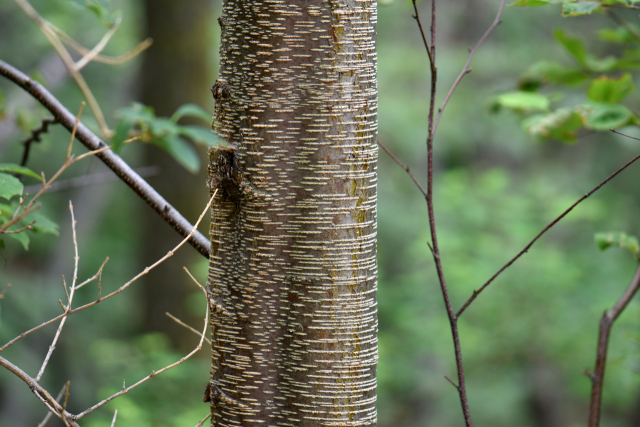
(108, 60)
(115, 414)
(113, 161)
(154, 373)
(465, 69)
(90, 56)
(416, 16)
(95, 276)
(117, 291)
(69, 296)
(36, 136)
(547, 228)
(4, 291)
(181, 323)
(406, 168)
(69, 160)
(606, 322)
(624, 6)
(203, 420)
(68, 62)
(41, 393)
(49, 414)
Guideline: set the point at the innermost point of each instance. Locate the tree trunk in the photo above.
(293, 271)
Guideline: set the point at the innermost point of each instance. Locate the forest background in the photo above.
(525, 342)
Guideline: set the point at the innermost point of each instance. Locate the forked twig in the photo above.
(69, 296)
(606, 322)
(406, 168)
(49, 414)
(117, 291)
(181, 323)
(466, 70)
(153, 373)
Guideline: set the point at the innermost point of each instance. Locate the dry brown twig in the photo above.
(51, 403)
(54, 36)
(203, 421)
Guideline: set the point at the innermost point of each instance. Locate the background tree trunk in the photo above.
(293, 270)
(176, 71)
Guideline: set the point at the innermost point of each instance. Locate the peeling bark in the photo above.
(293, 271)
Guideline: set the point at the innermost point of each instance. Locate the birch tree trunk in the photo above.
(293, 271)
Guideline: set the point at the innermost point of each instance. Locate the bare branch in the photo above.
(466, 70)
(116, 292)
(547, 228)
(203, 420)
(90, 56)
(115, 414)
(69, 296)
(606, 322)
(36, 136)
(113, 161)
(181, 323)
(154, 373)
(406, 168)
(41, 393)
(49, 414)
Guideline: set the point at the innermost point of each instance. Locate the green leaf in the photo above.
(573, 44)
(10, 186)
(552, 72)
(522, 101)
(13, 168)
(23, 238)
(610, 90)
(43, 225)
(561, 124)
(580, 8)
(531, 3)
(600, 116)
(619, 239)
(120, 134)
(100, 9)
(200, 135)
(620, 35)
(180, 150)
(191, 110)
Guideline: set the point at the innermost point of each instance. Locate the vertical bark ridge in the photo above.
(293, 270)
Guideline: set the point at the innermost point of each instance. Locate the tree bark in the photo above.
(293, 270)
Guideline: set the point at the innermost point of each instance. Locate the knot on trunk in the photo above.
(225, 174)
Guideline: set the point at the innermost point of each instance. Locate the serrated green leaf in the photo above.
(10, 186)
(13, 168)
(181, 151)
(580, 8)
(191, 110)
(561, 124)
(610, 90)
(523, 101)
(618, 239)
(600, 116)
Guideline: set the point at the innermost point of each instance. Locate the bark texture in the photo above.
(293, 270)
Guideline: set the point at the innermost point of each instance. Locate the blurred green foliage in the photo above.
(525, 341)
